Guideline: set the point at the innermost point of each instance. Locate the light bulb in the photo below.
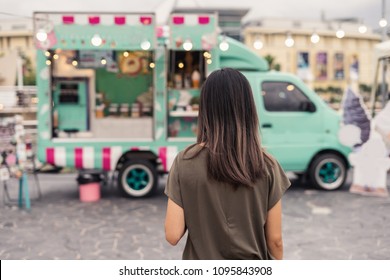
(96, 40)
(145, 45)
(224, 46)
(340, 33)
(362, 28)
(75, 63)
(187, 45)
(289, 41)
(383, 22)
(315, 38)
(258, 44)
(152, 65)
(41, 35)
(103, 61)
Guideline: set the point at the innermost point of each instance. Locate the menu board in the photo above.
(96, 59)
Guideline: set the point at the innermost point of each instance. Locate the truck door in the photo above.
(70, 101)
(291, 125)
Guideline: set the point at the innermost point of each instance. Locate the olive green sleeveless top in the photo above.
(223, 222)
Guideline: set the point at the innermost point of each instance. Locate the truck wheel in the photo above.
(328, 172)
(137, 178)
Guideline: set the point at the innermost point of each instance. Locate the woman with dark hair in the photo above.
(225, 189)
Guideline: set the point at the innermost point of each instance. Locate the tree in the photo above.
(272, 62)
(29, 78)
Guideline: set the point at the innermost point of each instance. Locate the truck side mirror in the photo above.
(308, 106)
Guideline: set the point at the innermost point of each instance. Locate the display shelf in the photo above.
(18, 110)
(193, 114)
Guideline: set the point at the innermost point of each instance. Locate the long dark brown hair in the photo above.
(229, 127)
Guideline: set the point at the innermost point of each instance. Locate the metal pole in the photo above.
(384, 62)
(384, 17)
(373, 89)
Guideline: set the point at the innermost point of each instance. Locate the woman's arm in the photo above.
(174, 223)
(273, 231)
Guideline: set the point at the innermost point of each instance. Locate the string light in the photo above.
(41, 35)
(224, 45)
(145, 45)
(362, 29)
(187, 45)
(96, 40)
(258, 44)
(340, 33)
(289, 42)
(315, 38)
(207, 55)
(383, 22)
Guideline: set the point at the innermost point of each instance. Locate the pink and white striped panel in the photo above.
(167, 156)
(110, 157)
(56, 156)
(84, 158)
(190, 19)
(102, 19)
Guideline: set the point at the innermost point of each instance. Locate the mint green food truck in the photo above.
(118, 93)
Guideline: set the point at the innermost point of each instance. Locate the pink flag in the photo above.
(178, 20)
(94, 20)
(67, 19)
(120, 20)
(203, 20)
(145, 20)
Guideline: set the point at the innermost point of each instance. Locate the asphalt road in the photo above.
(316, 225)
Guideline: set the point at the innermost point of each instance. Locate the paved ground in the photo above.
(316, 225)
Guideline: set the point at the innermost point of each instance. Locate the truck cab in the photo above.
(296, 125)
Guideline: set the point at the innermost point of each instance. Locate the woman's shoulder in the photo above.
(191, 152)
(269, 162)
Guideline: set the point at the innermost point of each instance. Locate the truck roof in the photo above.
(240, 57)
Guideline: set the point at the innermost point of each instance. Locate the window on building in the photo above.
(283, 97)
(321, 66)
(338, 66)
(354, 67)
(303, 66)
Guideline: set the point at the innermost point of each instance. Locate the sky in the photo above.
(369, 11)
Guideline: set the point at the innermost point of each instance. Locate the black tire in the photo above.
(137, 178)
(328, 172)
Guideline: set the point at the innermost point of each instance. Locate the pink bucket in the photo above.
(90, 192)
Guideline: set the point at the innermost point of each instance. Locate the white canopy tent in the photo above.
(382, 50)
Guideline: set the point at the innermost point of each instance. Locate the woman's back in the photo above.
(223, 221)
